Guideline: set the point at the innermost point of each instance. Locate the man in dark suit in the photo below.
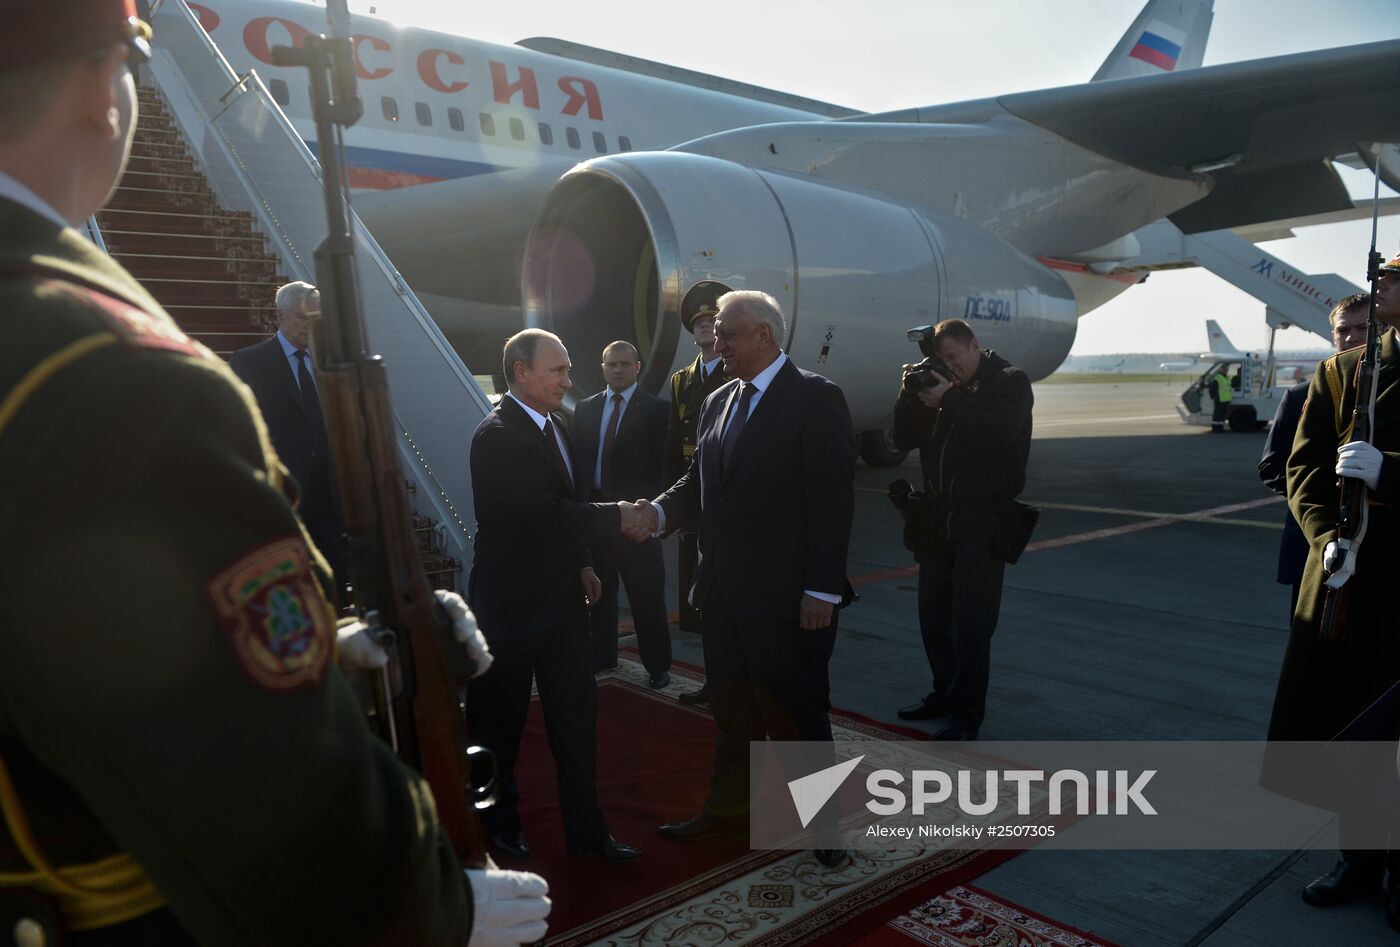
(618, 436)
(283, 378)
(530, 584)
(689, 388)
(771, 487)
(1348, 320)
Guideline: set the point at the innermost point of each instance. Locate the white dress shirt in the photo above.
(603, 428)
(761, 381)
(539, 420)
(12, 189)
(290, 351)
(710, 366)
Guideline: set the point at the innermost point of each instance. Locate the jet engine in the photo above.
(620, 238)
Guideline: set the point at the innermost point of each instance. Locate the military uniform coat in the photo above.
(689, 389)
(1324, 685)
(167, 687)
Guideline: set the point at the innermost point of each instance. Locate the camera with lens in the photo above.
(921, 375)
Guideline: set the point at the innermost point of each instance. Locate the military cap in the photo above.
(1392, 266)
(700, 300)
(58, 30)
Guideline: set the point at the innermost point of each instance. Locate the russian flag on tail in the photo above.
(1158, 50)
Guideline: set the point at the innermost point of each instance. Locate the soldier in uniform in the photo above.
(1326, 684)
(689, 388)
(180, 760)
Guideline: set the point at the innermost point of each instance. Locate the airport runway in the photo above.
(1146, 610)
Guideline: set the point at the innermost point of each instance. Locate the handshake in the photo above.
(639, 520)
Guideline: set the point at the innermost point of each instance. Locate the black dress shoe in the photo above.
(659, 681)
(702, 696)
(610, 848)
(704, 826)
(830, 857)
(1348, 878)
(954, 732)
(512, 843)
(930, 708)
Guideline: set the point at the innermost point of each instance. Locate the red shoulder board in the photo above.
(135, 327)
(274, 616)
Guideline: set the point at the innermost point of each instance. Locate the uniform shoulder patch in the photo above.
(274, 616)
(135, 327)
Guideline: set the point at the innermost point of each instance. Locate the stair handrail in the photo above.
(94, 233)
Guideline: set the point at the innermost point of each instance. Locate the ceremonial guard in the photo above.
(689, 388)
(181, 761)
(1332, 675)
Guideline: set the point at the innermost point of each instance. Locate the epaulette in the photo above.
(133, 326)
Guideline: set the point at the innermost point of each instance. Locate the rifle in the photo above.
(1353, 512)
(415, 710)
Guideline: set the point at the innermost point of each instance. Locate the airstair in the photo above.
(205, 264)
(219, 169)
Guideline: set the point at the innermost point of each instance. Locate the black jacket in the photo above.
(530, 533)
(296, 436)
(1273, 470)
(974, 447)
(778, 523)
(635, 471)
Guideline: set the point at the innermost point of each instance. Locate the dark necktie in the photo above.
(736, 424)
(311, 404)
(556, 454)
(609, 439)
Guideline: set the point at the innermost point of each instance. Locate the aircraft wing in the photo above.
(1262, 130)
(1282, 229)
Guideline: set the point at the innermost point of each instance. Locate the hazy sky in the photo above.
(880, 54)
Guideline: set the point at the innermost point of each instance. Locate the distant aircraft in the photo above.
(563, 186)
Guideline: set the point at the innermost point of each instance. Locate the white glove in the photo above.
(465, 630)
(1339, 569)
(355, 648)
(1360, 461)
(510, 907)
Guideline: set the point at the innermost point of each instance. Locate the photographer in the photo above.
(969, 414)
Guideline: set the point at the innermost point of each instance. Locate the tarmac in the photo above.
(1147, 609)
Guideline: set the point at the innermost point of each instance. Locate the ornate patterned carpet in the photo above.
(654, 762)
(966, 916)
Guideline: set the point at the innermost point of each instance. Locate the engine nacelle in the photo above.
(620, 238)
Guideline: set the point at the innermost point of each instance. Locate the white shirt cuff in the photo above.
(823, 596)
(660, 518)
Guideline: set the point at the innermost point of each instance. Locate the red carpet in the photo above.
(654, 757)
(971, 917)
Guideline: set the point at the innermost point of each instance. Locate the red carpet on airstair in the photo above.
(654, 758)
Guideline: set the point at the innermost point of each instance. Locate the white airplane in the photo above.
(568, 187)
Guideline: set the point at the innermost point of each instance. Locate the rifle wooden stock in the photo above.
(389, 580)
(418, 711)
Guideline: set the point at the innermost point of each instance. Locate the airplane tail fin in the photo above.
(1216, 339)
(1167, 36)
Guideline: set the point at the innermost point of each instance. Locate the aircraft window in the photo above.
(454, 118)
(425, 114)
(517, 129)
(600, 144)
(546, 134)
(488, 124)
(624, 143)
(278, 88)
(572, 135)
(391, 108)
